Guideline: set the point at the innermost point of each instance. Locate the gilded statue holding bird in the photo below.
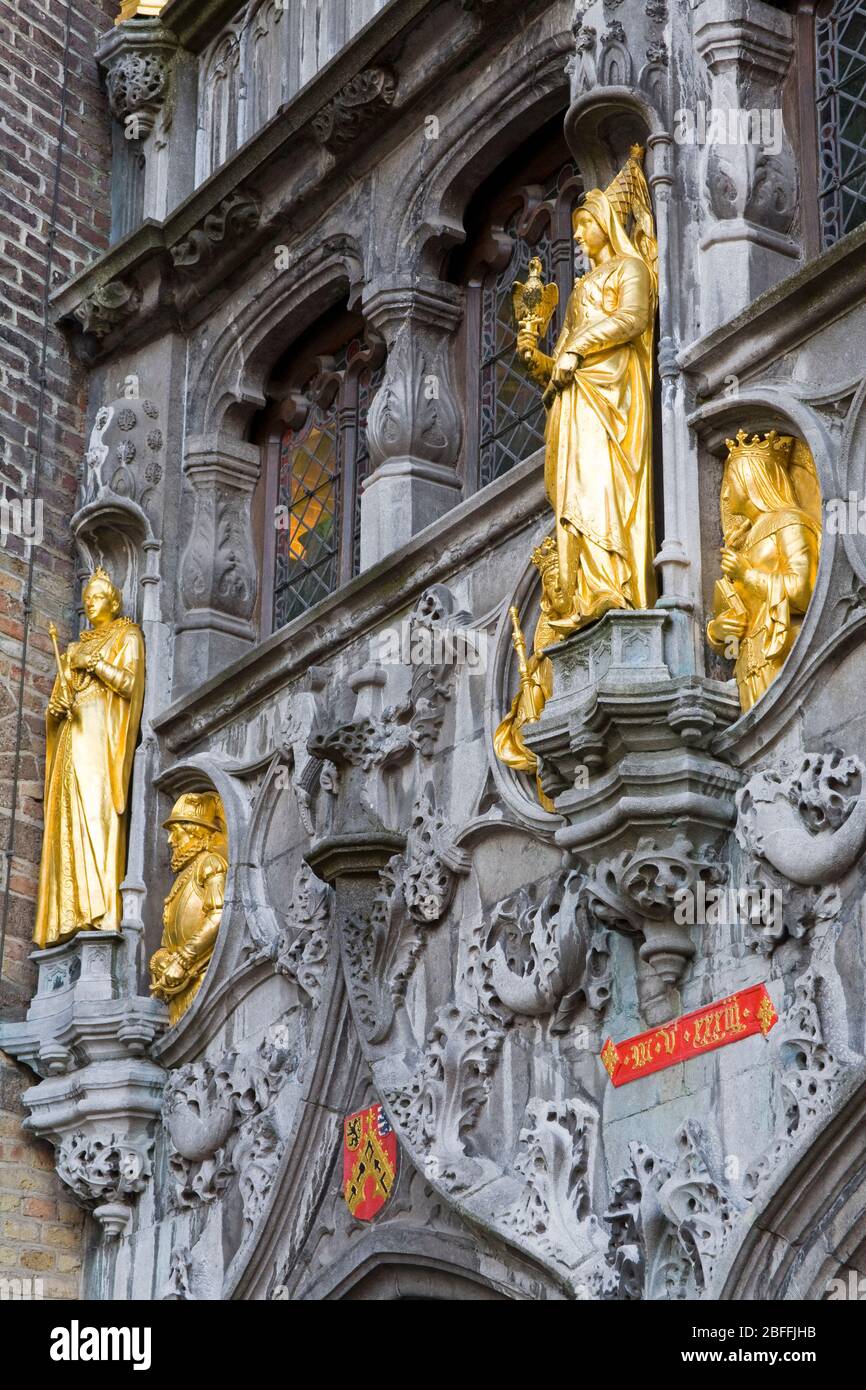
(597, 390)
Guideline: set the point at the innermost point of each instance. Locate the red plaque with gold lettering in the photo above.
(715, 1025)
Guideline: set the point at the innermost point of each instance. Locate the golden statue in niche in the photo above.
(91, 728)
(197, 837)
(771, 524)
(598, 438)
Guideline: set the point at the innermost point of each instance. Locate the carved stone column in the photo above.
(146, 78)
(414, 427)
(748, 171)
(218, 570)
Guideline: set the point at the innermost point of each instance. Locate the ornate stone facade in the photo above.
(405, 922)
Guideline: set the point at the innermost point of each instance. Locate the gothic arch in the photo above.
(487, 130)
(401, 1261)
(230, 383)
(812, 1227)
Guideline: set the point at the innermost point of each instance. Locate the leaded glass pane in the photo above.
(840, 38)
(307, 546)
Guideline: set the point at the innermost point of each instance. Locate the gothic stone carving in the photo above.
(414, 723)
(636, 893)
(104, 1171)
(355, 107)
(416, 890)
(108, 307)
(440, 1106)
(137, 87)
(556, 1159)
(669, 1222)
(549, 958)
(225, 227)
(302, 947)
(218, 572)
(804, 824)
(126, 451)
(208, 1112)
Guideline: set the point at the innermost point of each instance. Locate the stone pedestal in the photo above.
(100, 1094)
(623, 747)
(414, 427)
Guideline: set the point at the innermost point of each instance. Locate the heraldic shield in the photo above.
(369, 1162)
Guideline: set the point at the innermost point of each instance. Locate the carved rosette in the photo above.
(355, 108)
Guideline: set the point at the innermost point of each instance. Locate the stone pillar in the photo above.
(414, 427)
(748, 173)
(218, 570)
(150, 81)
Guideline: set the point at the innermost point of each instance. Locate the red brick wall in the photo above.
(40, 1230)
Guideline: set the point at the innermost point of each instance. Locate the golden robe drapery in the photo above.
(598, 457)
(88, 767)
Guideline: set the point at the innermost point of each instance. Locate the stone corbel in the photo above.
(87, 1036)
(414, 426)
(623, 748)
(137, 62)
(750, 182)
(355, 108)
(218, 576)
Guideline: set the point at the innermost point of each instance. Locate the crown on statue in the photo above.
(772, 448)
(100, 573)
(545, 556)
(627, 188)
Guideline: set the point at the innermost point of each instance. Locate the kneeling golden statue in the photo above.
(771, 523)
(193, 909)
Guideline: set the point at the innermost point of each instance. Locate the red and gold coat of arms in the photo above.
(369, 1162)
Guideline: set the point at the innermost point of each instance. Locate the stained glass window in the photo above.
(840, 38)
(322, 463)
(529, 216)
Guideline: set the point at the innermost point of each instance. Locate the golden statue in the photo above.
(598, 438)
(92, 726)
(771, 524)
(191, 916)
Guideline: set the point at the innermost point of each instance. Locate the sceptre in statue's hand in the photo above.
(64, 683)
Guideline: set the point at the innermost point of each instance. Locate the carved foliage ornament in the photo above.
(225, 227)
(107, 307)
(804, 824)
(416, 890)
(137, 87)
(347, 115)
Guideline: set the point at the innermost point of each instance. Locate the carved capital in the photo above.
(415, 423)
(137, 62)
(218, 576)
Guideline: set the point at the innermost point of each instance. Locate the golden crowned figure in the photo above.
(598, 439)
(92, 726)
(771, 524)
(192, 912)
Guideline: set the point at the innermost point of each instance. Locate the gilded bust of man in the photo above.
(193, 909)
(91, 730)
